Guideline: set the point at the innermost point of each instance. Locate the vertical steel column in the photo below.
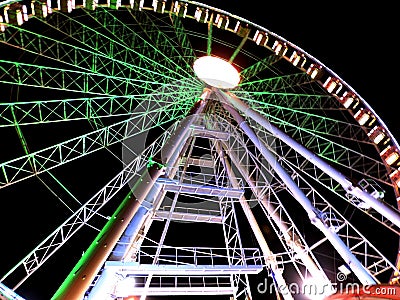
(269, 256)
(362, 274)
(291, 240)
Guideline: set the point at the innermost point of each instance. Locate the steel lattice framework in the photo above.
(170, 186)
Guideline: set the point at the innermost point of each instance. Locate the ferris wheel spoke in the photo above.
(182, 39)
(31, 163)
(76, 57)
(131, 54)
(51, 157)
(49, 111)
(285, 83)
(295, 101)
(70, 80)
(256, 68)
(157, 38)
(307, 110)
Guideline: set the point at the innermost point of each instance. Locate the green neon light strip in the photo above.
(92, 248)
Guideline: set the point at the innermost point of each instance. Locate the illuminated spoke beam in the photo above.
(71, 80)
(182, 39)
(209, 38)
(149, 57)
(49, 111)
(305, 110)
(238, 48)
(161, 43)
(297, 112)
(290, 100)
(78, 57)
(51, 157)
(38, 256)
(258, 67)
(275, 84)
(298, 107)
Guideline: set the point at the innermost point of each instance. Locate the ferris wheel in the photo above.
(171, 148)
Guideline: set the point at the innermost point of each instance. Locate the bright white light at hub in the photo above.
(216, 72)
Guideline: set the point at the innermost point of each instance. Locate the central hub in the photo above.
(216, 72)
